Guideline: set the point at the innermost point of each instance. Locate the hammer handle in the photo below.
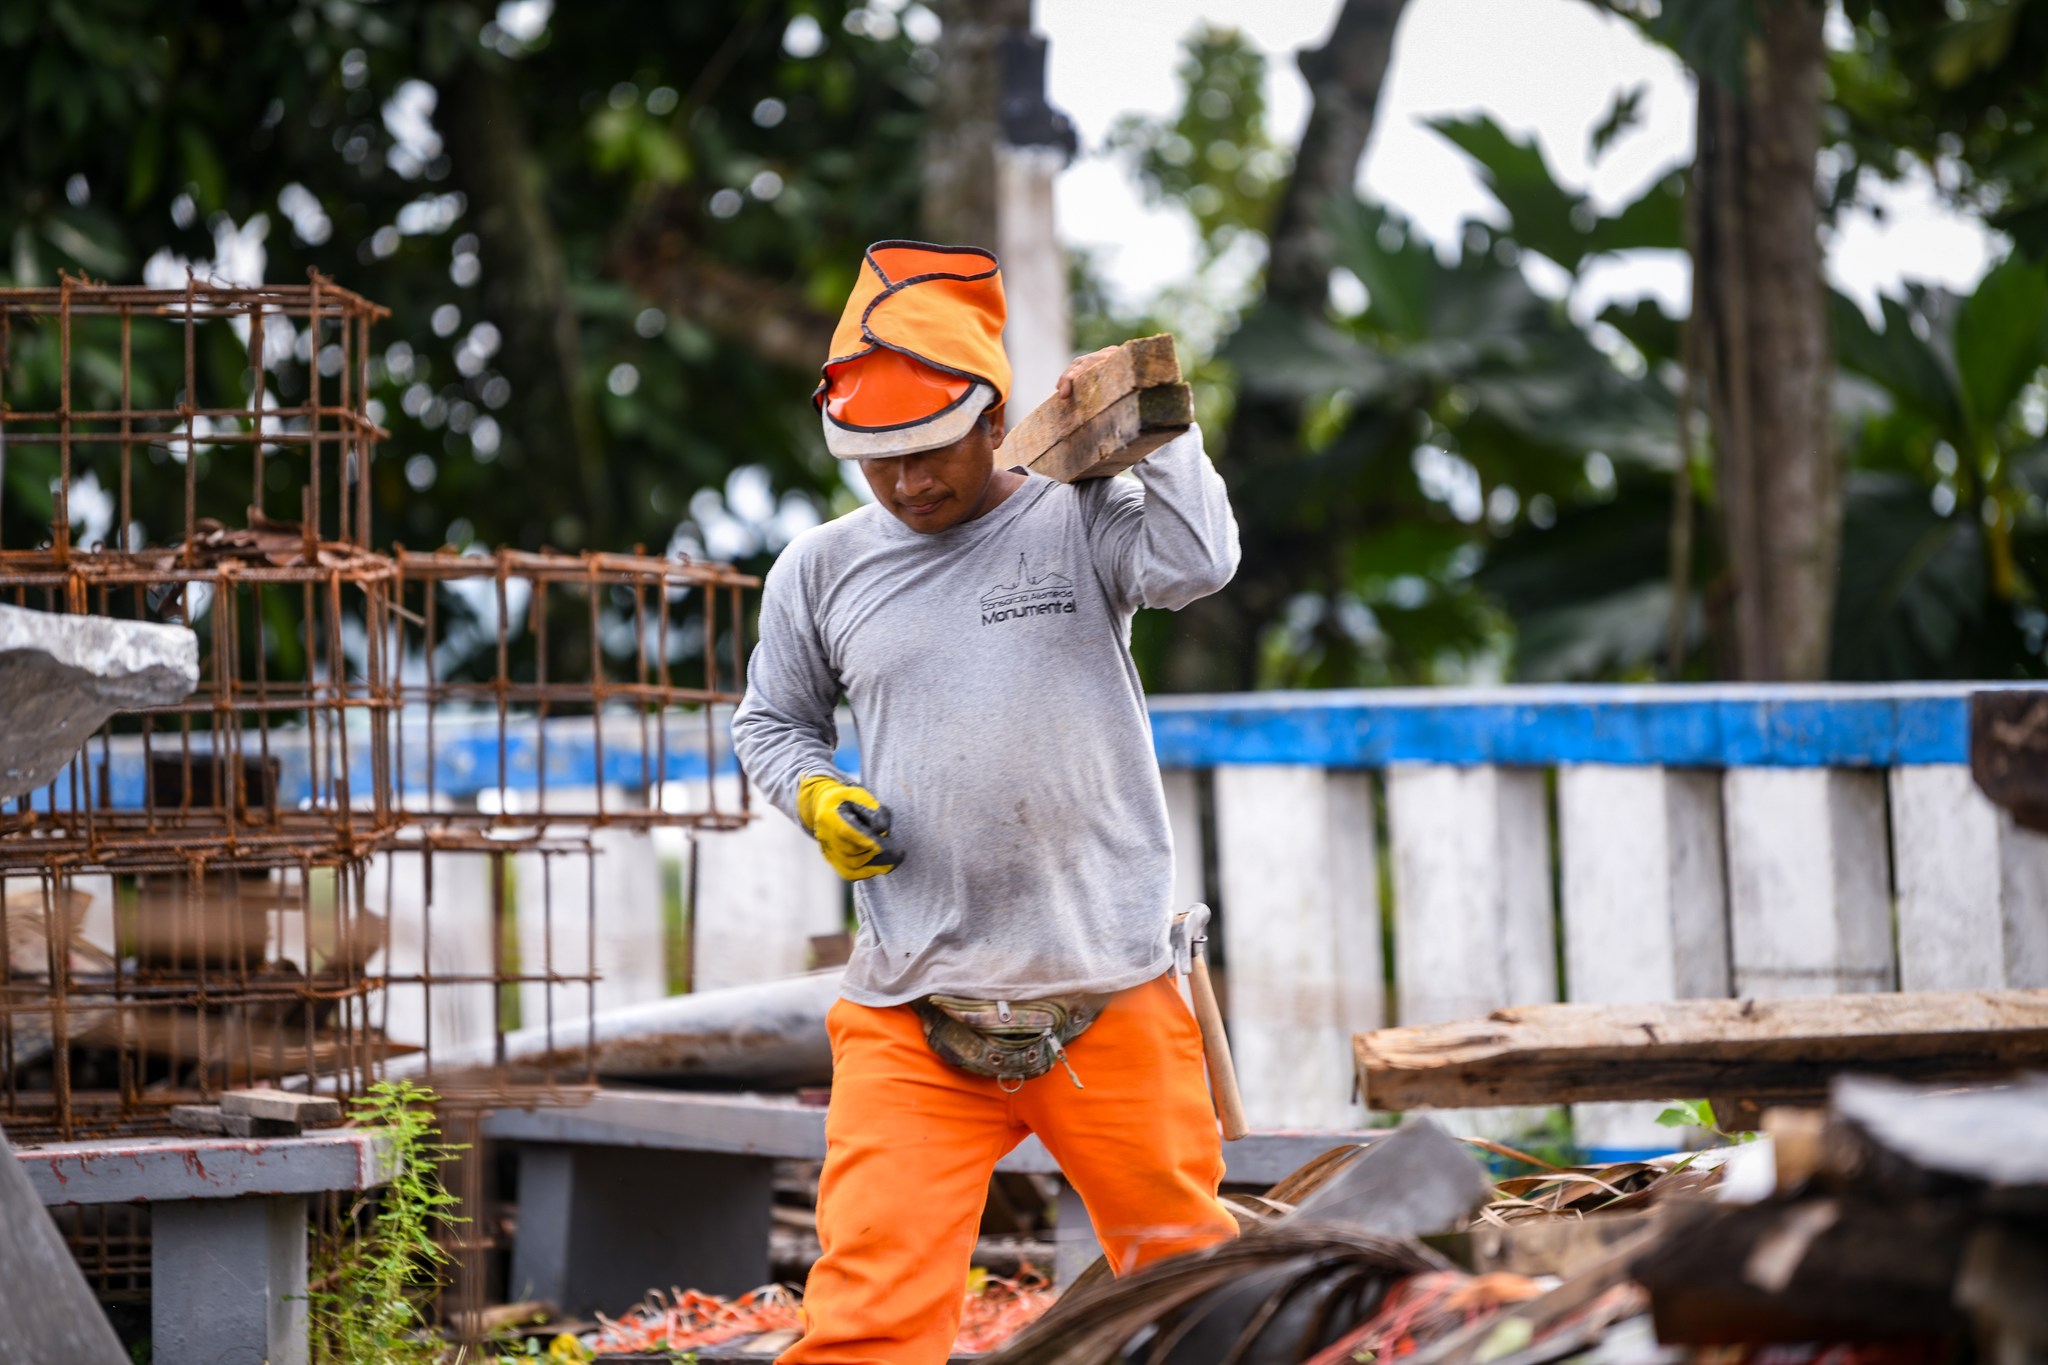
(1216, 1051)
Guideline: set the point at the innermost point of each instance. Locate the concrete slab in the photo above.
(777, 1126)
(62, 676)
(160, 1170)
(47, 1311)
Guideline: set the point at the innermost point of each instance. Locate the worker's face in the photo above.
(935, 490)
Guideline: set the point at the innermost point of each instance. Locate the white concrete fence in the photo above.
(1512, 846)
(1414, 856)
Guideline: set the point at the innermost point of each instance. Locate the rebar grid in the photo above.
(111, 1244)
(280, 750)
(303, 356)
(127, 994)
(368, 841)
(509, 678)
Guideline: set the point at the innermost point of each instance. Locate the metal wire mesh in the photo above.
(373, 840)
(242, 405)
(279, 751)
(127, 993)
(552, 689)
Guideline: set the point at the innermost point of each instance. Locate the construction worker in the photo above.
(1007, 836)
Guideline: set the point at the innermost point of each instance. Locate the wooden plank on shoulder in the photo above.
(1560, 1054)
(1120, 410)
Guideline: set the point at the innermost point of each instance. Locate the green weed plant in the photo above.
(374, 1281)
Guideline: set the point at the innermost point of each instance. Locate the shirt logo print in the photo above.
(1027, 594)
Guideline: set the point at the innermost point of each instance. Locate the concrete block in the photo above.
(197, 1118)
(600, 1226)
(209, 1118)
(61, 677)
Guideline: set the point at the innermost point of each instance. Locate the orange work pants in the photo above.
(910, 1143)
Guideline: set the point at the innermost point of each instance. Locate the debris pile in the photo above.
(1900, 1223)
(766, 1320)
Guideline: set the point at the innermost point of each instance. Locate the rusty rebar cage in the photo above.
(280, 750)
(571, 690)
(127, 993)
(373, 839)
(154, 393)
(491, 934)
(184, 902)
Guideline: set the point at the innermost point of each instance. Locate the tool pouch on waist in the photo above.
(1013, 1041)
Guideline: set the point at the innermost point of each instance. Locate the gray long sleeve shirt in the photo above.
(1001, 720)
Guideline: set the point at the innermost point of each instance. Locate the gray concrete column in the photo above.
(600, 1226)
(228, 1281)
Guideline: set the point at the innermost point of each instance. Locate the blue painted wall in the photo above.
(1680, 726)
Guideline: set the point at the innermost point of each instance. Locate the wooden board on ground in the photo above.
(1562, 1054)
(1120, 411)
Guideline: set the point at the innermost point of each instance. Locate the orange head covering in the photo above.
(918, 353)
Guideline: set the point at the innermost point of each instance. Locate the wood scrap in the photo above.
(1549, 1246)
(1558, 1054)
(2009, 752)
(1804, 1270)
(1988, 1142)
(208, 1118)
(283, 1106)
(1120, 410)
(501, 1317)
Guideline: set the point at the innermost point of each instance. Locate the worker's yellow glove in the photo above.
(850, 825)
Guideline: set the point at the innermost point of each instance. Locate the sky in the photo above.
(1550, 68)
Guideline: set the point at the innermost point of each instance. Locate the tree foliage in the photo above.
(612, 240)
(702, 177)
(1955, 87)
(1216, 157)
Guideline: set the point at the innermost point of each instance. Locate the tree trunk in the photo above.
(1344, 77)
(1761, 310)
(1218, 646)
(528, 294)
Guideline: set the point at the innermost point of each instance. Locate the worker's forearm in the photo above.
(778, 750)
(1186, 546)
(785, 728)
